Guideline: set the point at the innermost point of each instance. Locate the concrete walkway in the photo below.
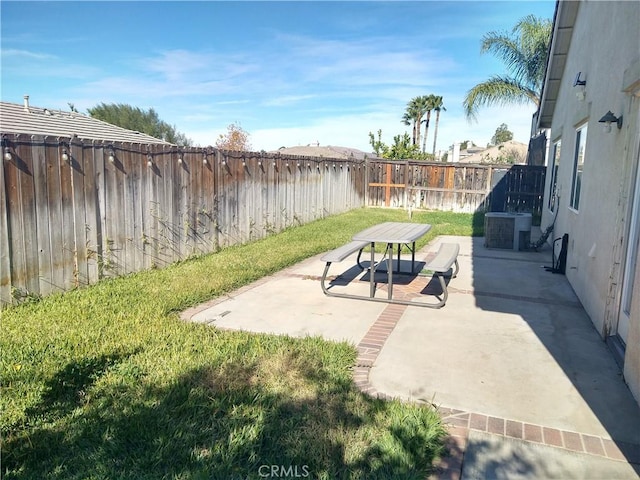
(513, 363)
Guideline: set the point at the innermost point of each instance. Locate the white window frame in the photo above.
(553, 184)
(578, 166)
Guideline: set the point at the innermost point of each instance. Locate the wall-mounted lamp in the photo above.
(580, 84)
(180, 158)
(149, 160)
(7, 154)
(578, 81)
(112, 156)
(204, 158)
(608, 119)
(65, 155)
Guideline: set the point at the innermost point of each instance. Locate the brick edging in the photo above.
(371, 344)
(461, 423)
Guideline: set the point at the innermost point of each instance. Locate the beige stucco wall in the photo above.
(605, 45)
(632, 353)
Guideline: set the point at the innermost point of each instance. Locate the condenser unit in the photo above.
(507, 230)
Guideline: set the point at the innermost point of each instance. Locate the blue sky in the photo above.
(289, 73)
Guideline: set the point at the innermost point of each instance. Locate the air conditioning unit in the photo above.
(507, 230)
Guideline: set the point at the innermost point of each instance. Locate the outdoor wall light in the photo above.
(608, 119)
(65, 155)
(180, 158)
(149, 160)
(7, 154)
(580, 84)
(204, 158)
(112, 156)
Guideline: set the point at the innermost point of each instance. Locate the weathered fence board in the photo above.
(29, 222)
(92, 215)
(42, 220)
(5, 253)
(18, 267)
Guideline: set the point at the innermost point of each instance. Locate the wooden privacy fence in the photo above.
(73, 212)
(455, 187)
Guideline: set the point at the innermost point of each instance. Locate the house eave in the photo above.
(563, 23)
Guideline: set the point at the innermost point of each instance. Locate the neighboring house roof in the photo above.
(467, 152)
(563, 22)
(15, 118)
(492, 154)
(328, 152)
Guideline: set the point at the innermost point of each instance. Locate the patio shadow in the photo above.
(587, 386)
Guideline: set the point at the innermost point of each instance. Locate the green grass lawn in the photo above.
(106, 382)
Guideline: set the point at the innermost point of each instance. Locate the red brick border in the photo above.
(460, 423)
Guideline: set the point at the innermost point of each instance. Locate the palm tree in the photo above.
(416, 108)
(525, 53)
(428, 102)
(437, 106)
(407, 119)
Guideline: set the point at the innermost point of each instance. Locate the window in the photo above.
(578, 165)
(553, 187)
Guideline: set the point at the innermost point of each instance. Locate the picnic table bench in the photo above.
(445, 259)
(340, 253)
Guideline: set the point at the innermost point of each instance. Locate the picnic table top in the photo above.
(393, 232)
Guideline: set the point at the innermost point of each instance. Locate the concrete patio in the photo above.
(513, 363)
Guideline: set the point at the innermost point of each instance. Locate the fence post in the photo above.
(366, 181)
(406, 185)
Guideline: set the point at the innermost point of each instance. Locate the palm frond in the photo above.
(498, 90)
(524, 51)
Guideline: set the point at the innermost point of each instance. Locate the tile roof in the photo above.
(15, 118)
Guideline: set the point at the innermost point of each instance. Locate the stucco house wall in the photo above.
(605, 48)
(632, 355)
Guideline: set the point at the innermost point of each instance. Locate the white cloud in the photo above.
(183, 65)
(11, 52)
(285, 100)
